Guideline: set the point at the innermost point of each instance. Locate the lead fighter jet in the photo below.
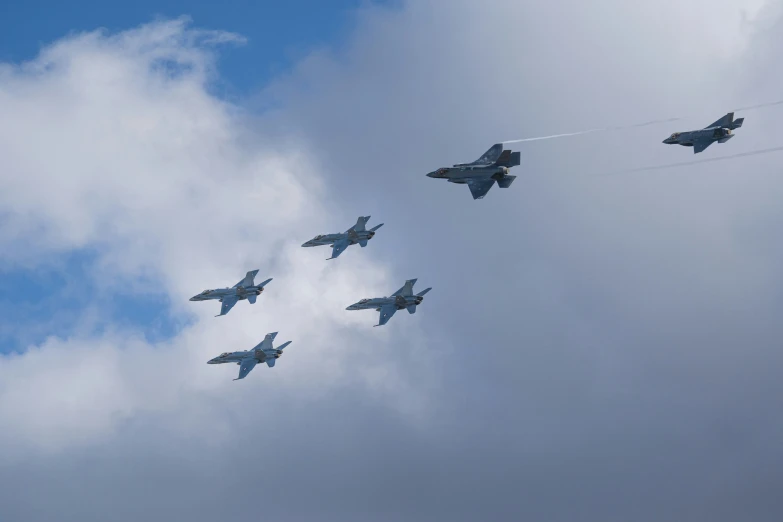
(719, 131)
(263, 352)
(245, 289)
(480, 175)
(402, 298)
(339, 242)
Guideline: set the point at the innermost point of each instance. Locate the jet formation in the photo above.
(245, 289)
(482, 174)
(493, 166)
(399, 300)
(340, 241)
(264, 352)
(719, 131)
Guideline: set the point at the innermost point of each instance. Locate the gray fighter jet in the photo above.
(339, 242)
(719, 131)
(402, 298)
(263, 352)
(245, 289)
(480, 175)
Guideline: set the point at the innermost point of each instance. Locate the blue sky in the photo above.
(48, 301)
(277, 32)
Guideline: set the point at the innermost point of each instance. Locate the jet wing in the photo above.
(700, 145)
(339, 246)
(387, 311)
(725, 121)
(246, 365)
(227, 305)
(248, 280)
(480, 187)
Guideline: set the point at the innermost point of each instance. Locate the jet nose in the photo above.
(431, 174)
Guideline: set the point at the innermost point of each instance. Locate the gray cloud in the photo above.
(595, 347)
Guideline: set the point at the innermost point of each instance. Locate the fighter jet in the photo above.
(480, 175)
(263, 352)
(402, 298)
(719, 131)
(339, 242)
(245, 289)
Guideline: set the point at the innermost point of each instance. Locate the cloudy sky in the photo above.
(600, 345)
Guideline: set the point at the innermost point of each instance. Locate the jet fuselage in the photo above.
(220, 293)
(238, 357)
(329, 239)
(377, 302)
(688, 138)
(460, 174)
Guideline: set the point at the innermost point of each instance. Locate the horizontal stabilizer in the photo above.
(506, 181)
(412, 309)
(252, 298)
(420, 294)
(270, 362)
(363, 243)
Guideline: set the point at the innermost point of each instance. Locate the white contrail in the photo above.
(635, 125)
(705, 160)
(590, 131)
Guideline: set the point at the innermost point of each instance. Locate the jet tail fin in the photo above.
(420, 294)
(506, 181)
(407, 288)
(727, 122)
(248, 280)
(508, 159)
(265, 282)
(376, 227)
(284, 345)
(360, 223)
(412, 309)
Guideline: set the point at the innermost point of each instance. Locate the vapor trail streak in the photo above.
(705, 160)
(632, 126)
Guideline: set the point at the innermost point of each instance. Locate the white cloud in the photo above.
(105, 148)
